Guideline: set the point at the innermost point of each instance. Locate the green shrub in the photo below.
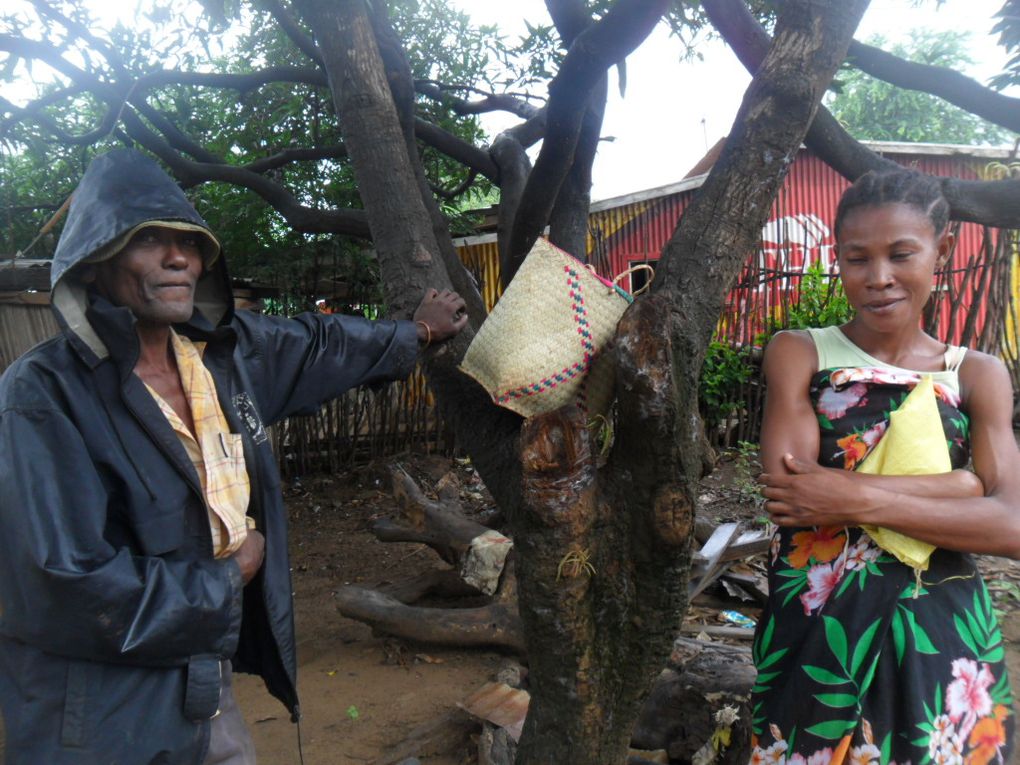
(726, 369)
(820, 302)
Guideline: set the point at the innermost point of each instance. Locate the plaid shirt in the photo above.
(216, 453)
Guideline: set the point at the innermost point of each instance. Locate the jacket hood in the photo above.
(120, 192)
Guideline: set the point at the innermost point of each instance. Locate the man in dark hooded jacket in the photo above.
(143, 544)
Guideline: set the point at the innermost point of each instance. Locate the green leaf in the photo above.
(837, 700)
(886, 748)
(975, 627)
(772, 658)
(994, 655)
(832, 729)
(866, 682)
(764, 677)
(824, 423)
(981, 608)
(965, 635)
(791, 596)
(922, 643)
(824, 676)
(898, 636)
(766, 635)
(835, 636)
(847, 581)
(863, 646)
(1001, 692)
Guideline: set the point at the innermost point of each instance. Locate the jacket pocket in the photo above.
(73, 726)
(160, 528)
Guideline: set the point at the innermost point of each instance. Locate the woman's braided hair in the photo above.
(908, 187)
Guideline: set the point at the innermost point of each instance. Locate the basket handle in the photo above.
(631, 270)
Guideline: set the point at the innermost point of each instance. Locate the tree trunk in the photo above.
(603, 554)
(403, 232)
(722, 226)
(602, 558)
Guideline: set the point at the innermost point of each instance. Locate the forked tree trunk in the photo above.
(603, 555)
(602, 559)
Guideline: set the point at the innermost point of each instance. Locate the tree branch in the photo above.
(293, 30)
(991, 203)
(596, 49)
(456, 148)
(492, 102)
(947, 84)
(530, 132)
(459, 189)
(286, 156)
(570, 17)
(242, 82)
(298, 216)
(568, 219)
(173, 135)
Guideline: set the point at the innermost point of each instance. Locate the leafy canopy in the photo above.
(43, 156)
(871, 109)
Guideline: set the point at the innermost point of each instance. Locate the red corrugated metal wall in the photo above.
(797, 233)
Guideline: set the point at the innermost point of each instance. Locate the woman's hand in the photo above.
(439, 316)
(812, 495)
(842, 497)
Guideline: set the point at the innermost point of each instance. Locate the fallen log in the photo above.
(496, 624)
(444, 583)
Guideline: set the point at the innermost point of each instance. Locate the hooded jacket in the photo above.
(114, 615)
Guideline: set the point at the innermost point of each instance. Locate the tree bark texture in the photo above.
(568, 221)
(401, 82)
(403, 230)
(990, 203)
(601, 558)
(721, 227)
(611, 39)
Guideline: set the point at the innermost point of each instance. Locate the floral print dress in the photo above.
(859, 660)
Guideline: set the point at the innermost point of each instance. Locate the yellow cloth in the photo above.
(216, 453)
(913, 444)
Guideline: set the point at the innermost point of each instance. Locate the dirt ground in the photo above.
(394, 686)
(360, 693)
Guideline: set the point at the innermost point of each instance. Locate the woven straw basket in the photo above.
(535, 350)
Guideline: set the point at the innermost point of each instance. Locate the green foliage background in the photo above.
(874, 110)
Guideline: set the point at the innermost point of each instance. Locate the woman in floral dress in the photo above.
(861, 659)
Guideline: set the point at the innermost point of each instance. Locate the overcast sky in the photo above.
(673, 111)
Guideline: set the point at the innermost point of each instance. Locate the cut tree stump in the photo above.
(495, 624)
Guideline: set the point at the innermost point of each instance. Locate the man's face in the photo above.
(154, 275)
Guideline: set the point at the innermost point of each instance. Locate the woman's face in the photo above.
(887, 257)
